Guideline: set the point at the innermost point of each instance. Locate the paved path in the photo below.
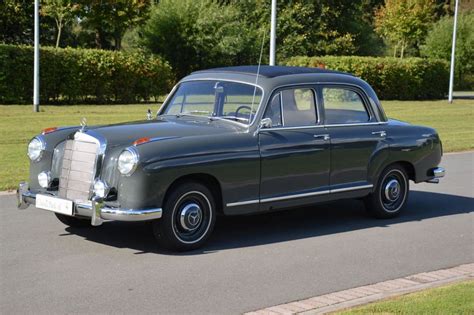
(250, 262)
(349, 298)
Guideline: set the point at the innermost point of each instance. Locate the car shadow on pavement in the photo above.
(293, 224)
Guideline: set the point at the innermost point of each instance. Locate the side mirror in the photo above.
(266, 123)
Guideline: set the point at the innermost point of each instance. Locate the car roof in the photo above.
(269, 71)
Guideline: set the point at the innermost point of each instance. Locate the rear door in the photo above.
(355, 133)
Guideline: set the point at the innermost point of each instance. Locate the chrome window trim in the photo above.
(319, 84)
(357, 124)
(163, 106)
(295, 196)
(324, 126)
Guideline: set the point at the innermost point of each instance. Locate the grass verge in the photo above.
(454, 122)
(451, 299)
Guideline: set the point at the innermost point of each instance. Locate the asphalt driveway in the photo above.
(250, 262)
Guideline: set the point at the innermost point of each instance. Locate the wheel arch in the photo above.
(205, 179)
(407, 166)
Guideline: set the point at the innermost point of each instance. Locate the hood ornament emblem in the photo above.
(83, 124)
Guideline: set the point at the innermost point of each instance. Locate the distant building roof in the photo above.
(270, 71)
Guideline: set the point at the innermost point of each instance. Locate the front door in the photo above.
(294, 150)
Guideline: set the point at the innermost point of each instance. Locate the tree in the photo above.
(111, 19)
(404, 22)
(316, 27)
(62, 11)
(16, 23)
(194, 34)
(439, 40)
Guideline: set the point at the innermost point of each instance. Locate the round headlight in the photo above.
(100, 188)
(35, 149)
(127, 161)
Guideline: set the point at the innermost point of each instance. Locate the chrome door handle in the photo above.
(325, 137)
(380, 133)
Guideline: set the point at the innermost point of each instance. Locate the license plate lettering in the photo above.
(54, 204)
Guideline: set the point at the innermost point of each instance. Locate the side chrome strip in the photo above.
(288, 197)
(351, 188)
(316, 193)
(243, 203)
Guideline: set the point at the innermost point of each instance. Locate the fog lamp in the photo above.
(100, 188)
(44, 179)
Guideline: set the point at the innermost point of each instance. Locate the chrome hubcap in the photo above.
(190, 217)
(392, 190)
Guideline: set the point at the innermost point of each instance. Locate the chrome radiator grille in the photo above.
(78, 169)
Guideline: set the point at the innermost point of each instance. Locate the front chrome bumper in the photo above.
(97, 210)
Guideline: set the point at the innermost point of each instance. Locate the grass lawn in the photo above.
(453, 299)
(454, 122)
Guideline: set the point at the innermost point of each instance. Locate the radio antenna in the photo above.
(256, 79)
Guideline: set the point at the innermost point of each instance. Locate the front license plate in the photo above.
(55, 204)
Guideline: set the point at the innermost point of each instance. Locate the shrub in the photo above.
(391, 78)
(81, 75)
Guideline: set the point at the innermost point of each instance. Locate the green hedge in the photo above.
(81, 76)
(391, 78)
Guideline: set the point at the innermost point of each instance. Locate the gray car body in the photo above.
(251, 169)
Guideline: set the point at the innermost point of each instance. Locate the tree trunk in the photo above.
(402, 49)
(59, 24)
(118, 41)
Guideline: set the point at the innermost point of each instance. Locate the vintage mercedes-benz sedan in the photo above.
(233, 141)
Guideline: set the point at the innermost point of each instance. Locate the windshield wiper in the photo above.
(193, 112)
(235, 118)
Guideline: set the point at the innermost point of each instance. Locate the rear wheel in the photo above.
(188, 218)
(391, 193)
(72, 221)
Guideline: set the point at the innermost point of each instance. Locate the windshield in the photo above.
(215, 99)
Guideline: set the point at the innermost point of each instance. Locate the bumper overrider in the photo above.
(96, 209)
(436, 174)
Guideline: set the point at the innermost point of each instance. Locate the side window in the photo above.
(298, 107)
(343, 106)
(273, 111)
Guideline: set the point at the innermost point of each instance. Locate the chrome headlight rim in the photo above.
(42, 148)
(135, 158)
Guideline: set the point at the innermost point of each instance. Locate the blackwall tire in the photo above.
(391, 193)
(188, 219)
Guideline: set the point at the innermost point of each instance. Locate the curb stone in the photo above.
(340, 300)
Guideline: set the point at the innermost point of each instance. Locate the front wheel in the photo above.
(391, 193)
(188, 218)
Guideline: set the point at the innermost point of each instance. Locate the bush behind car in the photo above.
(391, 78)
(82, 76)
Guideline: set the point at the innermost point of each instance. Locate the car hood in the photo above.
(125, 134)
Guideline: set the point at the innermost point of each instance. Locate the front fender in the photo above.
(233, 160)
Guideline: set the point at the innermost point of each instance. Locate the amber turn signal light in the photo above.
(141, 141)
(49, 130)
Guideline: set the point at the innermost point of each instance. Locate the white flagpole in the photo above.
(36, 60)
(273, 33)
(453, 53)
